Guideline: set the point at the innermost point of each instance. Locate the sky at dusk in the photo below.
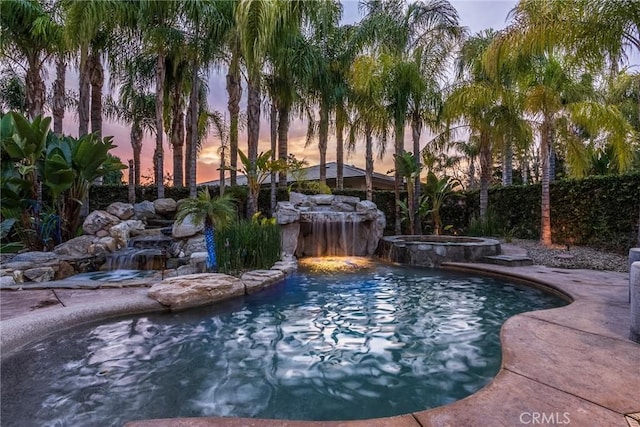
(475, 15)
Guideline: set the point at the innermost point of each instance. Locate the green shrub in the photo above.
(248, 245)
(490, 226)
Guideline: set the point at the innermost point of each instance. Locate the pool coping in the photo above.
(569, 365)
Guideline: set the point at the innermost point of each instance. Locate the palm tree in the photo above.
(215, 213)
(594, 31)
(261, 25)
(29, 35)
(92, 27)
(221, 130)
(370, 116)
(209, 21)
(401, 31)
(324, 79)
(177, 77)
(159, 21)
(234, 87)
(135, 106)
(473, 101)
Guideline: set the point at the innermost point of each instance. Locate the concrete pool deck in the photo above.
(572, 365)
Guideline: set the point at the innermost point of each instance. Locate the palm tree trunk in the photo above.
(253, 135)
(85, 92)
(223, 171)
(177, 144)
(177, 136)
(193, 151)
(136, 145)
(340, 121)
(283, 141)
(274, 142)
(485, 173)
(545, 226)
(416, 132)
(323, 135)
(507, 164)
(187, 146)
(471, 172)
(158, 155)
(368, 176)
(524, 167)
(35, 88)
(552, 160)
(234, 90)
(58, 95)
(96, 78)
(398, 150)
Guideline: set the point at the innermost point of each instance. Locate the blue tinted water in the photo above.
(373, 343)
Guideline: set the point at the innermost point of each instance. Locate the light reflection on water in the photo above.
(351, 345)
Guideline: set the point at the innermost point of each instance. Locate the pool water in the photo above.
(352, 345)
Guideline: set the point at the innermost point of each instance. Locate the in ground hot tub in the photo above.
(431, 251)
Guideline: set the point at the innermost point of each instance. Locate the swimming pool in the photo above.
(347, 345)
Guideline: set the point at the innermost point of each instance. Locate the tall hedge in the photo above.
(598, 211)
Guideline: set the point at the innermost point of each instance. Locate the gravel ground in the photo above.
(576, 257)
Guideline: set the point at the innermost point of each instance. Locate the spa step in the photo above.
(508, 260)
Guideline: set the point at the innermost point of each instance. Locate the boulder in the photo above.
(297, 198)
(76, 247)
(7, 281)
(97, 249)
(186, 228)
(144, 210)
(20, 265)
(322, 199)
(64, 270)
(122, 210)
(186, 269)
(198, 262)
(164, 206)
(289, 237)
(102, 233)
(99, 220)
(342, 207)
(366, 206)
(40, 274)
(195, 290)
(255, 281)
(123, 231)
(351, 200)
(109, 243)
(286, 213)
(375, 233)
(36, 257)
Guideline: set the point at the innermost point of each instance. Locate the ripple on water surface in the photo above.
(346, 345)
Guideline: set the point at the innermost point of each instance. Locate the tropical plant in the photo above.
(248, 245)
(215, 213)
(414, 40)
(12, 92)
(5, 231)
(436, 192)
(258, 172)
(409, 170)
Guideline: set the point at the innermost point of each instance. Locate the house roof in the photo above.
(313, 174)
